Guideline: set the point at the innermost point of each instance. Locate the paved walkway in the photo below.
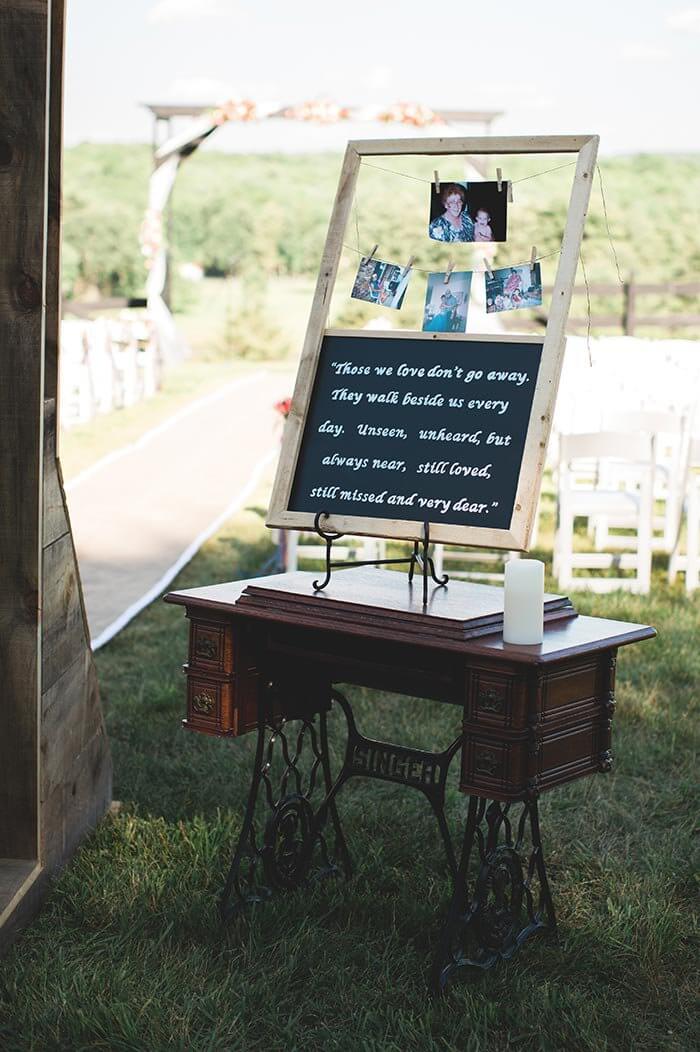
(141, 513)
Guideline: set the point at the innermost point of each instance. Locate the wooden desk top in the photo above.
(380, 604)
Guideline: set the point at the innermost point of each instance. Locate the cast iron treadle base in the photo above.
(293, 830)
(288, 768)
(414, 768)
(491, 922)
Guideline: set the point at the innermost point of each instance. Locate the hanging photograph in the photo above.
(513, 287)
(379, 282)
(468, 212)
(446, 305)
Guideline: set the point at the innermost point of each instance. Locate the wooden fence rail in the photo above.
(628, 319)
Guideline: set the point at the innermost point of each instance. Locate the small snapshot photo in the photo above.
(446, 305)
(513, 287)
(468, 212)
(382, 283)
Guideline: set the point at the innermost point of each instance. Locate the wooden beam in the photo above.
(24, 34)
(165, 112)
(55, 772)
(450, 144)
(75, 770)
(55, 175)
(86, 308)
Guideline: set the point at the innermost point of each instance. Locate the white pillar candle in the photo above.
(523, 602)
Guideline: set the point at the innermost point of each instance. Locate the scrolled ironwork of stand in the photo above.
(508, 899)
(275, 854)
(492, 910)
(420, 557)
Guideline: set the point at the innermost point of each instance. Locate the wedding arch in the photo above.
(170, 150)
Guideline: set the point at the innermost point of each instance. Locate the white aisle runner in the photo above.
(141, 513)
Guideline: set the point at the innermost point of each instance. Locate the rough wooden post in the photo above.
(55, 772)
(23, 43)
(629, 295)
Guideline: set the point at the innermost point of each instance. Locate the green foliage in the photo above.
(268, 215)
(105, 194)
(251, 331)
(128, 953)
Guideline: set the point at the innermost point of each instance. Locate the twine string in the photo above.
(607, 225)
(588, 310)
(420, 179)
(545, 255)
(472, 270)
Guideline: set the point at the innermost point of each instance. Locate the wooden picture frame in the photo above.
(517, 537)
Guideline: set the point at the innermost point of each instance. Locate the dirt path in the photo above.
(141, 513)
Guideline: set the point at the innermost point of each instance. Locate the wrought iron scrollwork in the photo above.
(289, 768)
(493, 911)
(287, 831)
(420, 557)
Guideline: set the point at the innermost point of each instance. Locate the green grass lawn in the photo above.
(127, 953)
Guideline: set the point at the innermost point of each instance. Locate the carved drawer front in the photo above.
(497, 700)
(204, 703)
(493, 767)
(224, 707)
(210, 646)
(506, 766)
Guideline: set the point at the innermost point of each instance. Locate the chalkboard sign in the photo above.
(415, 429)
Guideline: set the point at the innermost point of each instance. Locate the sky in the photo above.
(624, 69)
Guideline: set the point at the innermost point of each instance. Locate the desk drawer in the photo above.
(223, 706)
(496, 699)
(211, 646)
(505, 768)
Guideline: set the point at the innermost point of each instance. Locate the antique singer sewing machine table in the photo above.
(263, 657)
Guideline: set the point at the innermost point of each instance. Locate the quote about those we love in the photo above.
(410, 429)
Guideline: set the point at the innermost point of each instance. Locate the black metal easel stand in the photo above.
(419, 557)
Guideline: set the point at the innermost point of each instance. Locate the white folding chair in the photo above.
(584, 469)
(688, 561)
(671, 432)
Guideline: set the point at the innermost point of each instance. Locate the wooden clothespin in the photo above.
(533, 261)
(437, 182)
(411, 261)
(371, 255)
(450, 268)
(510, 191)
(499, 179)
(488, 267)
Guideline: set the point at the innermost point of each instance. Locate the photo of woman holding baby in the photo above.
(468, 212)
